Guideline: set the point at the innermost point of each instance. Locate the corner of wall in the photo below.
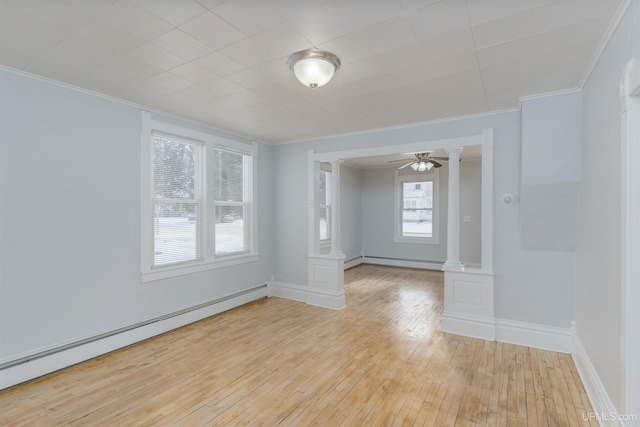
(602, 405)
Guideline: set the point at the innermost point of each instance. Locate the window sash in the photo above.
(416, 208)
(416, 221)
(232, 225)
(177, 236)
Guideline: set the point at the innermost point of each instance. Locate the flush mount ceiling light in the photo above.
(314, 68)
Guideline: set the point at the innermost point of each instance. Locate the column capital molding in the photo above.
(487, 136)
(453, 150)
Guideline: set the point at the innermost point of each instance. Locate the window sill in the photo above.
(416, 240)
(181, 270)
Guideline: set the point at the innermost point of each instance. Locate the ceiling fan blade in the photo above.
(404, 166)
(439, 158)
(401, 160)
(434, 163)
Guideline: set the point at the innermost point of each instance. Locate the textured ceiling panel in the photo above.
(225, 62)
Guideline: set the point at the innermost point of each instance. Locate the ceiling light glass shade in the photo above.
(314, 68)
(414, 166)
(429, 166)
(422, 166)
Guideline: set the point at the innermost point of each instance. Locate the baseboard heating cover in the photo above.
(31, 366)
(398, 262)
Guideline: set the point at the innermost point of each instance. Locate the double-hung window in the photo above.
(197, 200)
(417, 204)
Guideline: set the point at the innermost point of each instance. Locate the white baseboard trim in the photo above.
(469, 326)
(425, 265)
(301, 293)
(289, 291)
(353, 262)
(534, 335)
(508, 331)
(54, 361)
(603, 408)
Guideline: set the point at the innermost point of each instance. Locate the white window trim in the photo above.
(209, 261)
(432, 175)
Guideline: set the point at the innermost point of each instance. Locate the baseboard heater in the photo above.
(233, 301)
(403, 262)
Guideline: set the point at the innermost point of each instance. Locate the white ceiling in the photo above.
(224, 63)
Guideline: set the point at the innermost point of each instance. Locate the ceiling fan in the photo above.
(422, 162)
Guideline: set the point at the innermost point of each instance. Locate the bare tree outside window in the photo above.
(230, 202)
(175, 200)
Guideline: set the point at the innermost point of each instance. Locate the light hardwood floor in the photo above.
(379, 362)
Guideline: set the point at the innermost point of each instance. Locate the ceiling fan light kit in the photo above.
(314, 68)
(422, 163)
(421, 166)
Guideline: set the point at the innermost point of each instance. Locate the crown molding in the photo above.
(549, 94)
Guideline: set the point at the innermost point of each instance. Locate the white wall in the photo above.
(471, 206)
(598, 287)
(70, 213)
(351, 211)
(530, 286)
(70, 221)
(378, 194)
(551, 171)
(378, 219)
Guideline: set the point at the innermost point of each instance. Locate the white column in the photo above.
(335, 209)
(325, 273)
(453, 214)
(630, 236)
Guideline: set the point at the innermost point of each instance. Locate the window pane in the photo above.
(229, 176)
(417, 214)
(174, 168)
(230, 230)
(175, 232)
(175, 223)
(322, 187)
(324, 223)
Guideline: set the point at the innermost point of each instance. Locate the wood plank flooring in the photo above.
(379, 362)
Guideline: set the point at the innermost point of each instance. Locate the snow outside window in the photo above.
(416, 207)
(197, 210)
